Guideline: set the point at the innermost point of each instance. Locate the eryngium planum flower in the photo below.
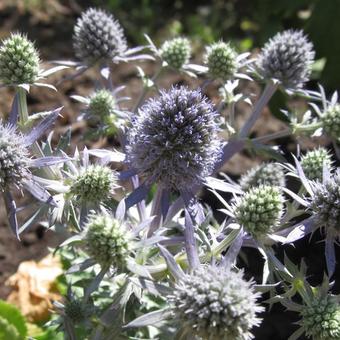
(321, 319)
(216, 304)
(19, 61)
(107, 241)
(287, 57)
(313, 163)
(221, 60)
(176, 52)
(264, 174)
(331, 122)
(13, 157)
(76, 311)
(173, 139)
(95, 183)
(326, 203)
(260, 209)
(98, 37)
(102, 103)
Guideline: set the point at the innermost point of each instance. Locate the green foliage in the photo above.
(14, 321)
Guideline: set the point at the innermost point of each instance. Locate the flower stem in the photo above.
(146, 89)
(272, 136)
(267, 93)
(23, 111)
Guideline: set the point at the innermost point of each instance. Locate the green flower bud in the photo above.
(321, 319)
(19, 61)
(176, 52)
(95, 184)
(264, 174)
(102, 104)
(107, 241)
(331, 122)
(260, 209)
(313, 162)
(221, 60)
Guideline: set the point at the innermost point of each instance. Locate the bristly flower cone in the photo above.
(216, 304)
(173, 139)
(287, 57)
(98, 37)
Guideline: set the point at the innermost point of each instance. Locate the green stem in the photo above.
(298, 128)
(23, 111)
(146, 89)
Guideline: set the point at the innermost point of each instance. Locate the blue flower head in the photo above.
(173, 139)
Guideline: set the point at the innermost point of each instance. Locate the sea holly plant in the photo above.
(141, 248)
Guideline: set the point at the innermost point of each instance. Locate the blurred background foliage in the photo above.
(248, 23)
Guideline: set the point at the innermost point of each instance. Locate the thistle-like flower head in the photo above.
(19, 61)
(260, 209)
(264, 174)
(107, 240)
(174, 140)
(216, 304)
(76, 311)
(102, 104)
(326, 203)
(95, 183)
(13, 157)
(221, 60)
(313, 163)
(321, 318)
(176, 52)
(331, 121)
(98, 37)
(287, 57)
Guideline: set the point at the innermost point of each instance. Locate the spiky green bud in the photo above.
(102, 104)
(331, 122)
(313, 163)
(321, 319)
(95, 184)
(264, 174)
(221, 60)
(216, 304)
(260, 209)
(19, 61)
(107, 241)
(176, 52)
